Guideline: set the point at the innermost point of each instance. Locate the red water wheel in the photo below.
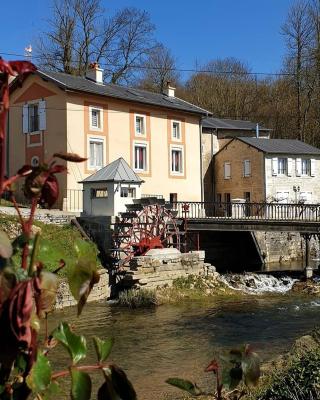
(148, 224)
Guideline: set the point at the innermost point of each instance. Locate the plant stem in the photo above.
(34, 253)
(66, 372)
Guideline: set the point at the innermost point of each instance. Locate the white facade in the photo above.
(108, 199)
(290, 179)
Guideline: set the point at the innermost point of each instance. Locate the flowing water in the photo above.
(179, 340)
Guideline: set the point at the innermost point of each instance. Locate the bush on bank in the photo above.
(298, 378)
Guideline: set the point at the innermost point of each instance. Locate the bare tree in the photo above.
(159, 68)
(80, 33)
(298, 33)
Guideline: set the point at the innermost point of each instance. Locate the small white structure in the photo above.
(106, 192)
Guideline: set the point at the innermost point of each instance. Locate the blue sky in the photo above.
(194, 30)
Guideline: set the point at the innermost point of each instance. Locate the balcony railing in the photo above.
(248, 211)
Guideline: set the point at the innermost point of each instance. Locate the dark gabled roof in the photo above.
(79, 83)
(117, 171)
(281, 146)
(231, 124)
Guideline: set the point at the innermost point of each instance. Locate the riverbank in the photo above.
(199, 287)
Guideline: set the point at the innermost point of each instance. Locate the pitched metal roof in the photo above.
(232, 124)
(82, 84)
(117, 171)
(281, 146)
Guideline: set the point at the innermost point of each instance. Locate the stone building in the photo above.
(216, 132)
(257, 170)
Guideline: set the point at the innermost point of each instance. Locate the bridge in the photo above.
(303, 218)
(248, 217)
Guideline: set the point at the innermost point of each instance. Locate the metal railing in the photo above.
(248, 211)
(74, 200)
(157, 196)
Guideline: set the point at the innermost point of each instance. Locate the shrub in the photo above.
(137, 298)
(301, 381)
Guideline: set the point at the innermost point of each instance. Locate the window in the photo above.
(227, 170)
(140, 157)
(282, 166)
(173, 197)
(219, 199)
(246, 168)
(176, 130)
(177, 160)
(96, 153)
(140, 124)
(128, 192)
(305, 167)
(33, 117)
(96, 122)
(101, 193)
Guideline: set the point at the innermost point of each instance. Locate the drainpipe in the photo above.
(201, 161)
(257, 131)
(213, 182)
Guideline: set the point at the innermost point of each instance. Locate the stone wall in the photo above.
(152, 272)
(101, 291)
(284, 246)
(45, 216)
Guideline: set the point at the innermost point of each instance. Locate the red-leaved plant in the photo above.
(240, 366)
(28, 290)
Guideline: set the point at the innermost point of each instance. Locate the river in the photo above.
(180, 340)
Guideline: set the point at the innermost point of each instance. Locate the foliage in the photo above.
(55, 243)
(28, 289)
(299, 381)
(136, 298)
(189, 282)
(242, 366)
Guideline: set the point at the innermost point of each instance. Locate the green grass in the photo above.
(56, 242)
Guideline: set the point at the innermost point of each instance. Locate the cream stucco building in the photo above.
(159, 135)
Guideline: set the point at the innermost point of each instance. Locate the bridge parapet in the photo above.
(248, 211)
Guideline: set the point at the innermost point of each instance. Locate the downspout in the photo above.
(213, 167)
(201, 160)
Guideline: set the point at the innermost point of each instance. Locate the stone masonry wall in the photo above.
(101, 291)
(153, 272)
(284, 246)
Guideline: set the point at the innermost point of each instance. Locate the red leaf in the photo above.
(50, 191)
(56, 169)
(25, 170)
(212, 367)
(22, 67)
(69, 157)
(20, 309)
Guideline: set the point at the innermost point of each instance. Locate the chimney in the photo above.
(95, 73)
(169, 90)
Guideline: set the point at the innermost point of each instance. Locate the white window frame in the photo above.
(140, 144)
(144, 124)
(308, 172)
(224, 170)
(133, 189)
(245, 173)
(95, 128)
(285, 173)
(179, 148)
(178, 139)
(93, 138)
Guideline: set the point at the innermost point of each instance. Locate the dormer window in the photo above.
(96, 122)
(140, 126)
